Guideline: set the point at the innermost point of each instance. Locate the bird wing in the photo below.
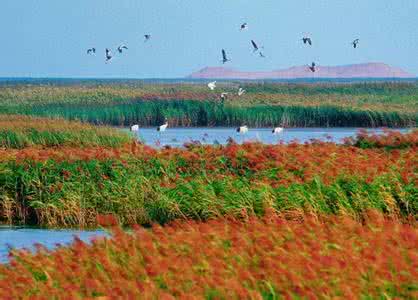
(309, 41)
(254, 44)
(224, 54)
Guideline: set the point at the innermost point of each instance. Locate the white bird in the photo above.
(163, 127)
(121, 47)
(242, 129)
(241, 92)
(135, 127)
(244, 26)
(277, 130)
(223, 96)
(212, 85)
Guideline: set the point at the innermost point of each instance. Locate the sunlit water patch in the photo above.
(19, 238)
(177, 137)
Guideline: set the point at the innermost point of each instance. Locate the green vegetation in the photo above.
(71, 186)
(20, 132)
(264, 104)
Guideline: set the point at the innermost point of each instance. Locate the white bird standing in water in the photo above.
(241, 92)
(135, 127)
(277, 130)
(212, 85)
(242, 129)
(163, 127)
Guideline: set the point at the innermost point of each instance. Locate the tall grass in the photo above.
(270, 258)
(264, 104)
(20, 132)
(143, 185)
(207, 113)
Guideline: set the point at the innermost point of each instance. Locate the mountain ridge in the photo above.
(364, 70)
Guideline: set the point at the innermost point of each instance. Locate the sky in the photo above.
(49, 38)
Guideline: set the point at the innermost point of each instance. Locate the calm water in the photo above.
(176, 137)
(27, 237)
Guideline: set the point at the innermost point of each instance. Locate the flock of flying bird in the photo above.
(306, 39)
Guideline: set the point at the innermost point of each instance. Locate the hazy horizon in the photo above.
(50, 39)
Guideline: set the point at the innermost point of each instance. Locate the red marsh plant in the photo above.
(314, 257)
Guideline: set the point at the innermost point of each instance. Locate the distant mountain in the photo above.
(367, 70)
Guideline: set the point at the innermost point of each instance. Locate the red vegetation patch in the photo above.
(323, 257)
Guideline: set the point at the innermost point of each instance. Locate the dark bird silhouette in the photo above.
(355, 42)
(261, 54)
(244, 26)
(307, 40)
(224, 58)
(121, 47)
(108, 55)
(91, 50)
(312, 67)
(255, 46)
(147, 37)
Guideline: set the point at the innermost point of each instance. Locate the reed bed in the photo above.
(309, 257)
(70, 186)
(363, 105)
(21, 131)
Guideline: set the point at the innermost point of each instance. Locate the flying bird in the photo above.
(108, 55)
(355, 42)
(147, 37)
(135, 127)
(307, 40)
(312, 67)
(91, 50)
(121, 47)
(244, 26)
(242, 129)
(241, 92)
(224, 58)
(255, 46)
(223, 96)
(163, 127)
(212, 85)
(277, 130)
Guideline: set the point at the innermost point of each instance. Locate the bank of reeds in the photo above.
(138, 184)
(362, 105)
(306, 257)
(22, 131)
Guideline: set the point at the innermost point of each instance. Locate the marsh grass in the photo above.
(21, 131)
(264, 104)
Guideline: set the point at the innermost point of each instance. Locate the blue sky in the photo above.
(49, 38)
